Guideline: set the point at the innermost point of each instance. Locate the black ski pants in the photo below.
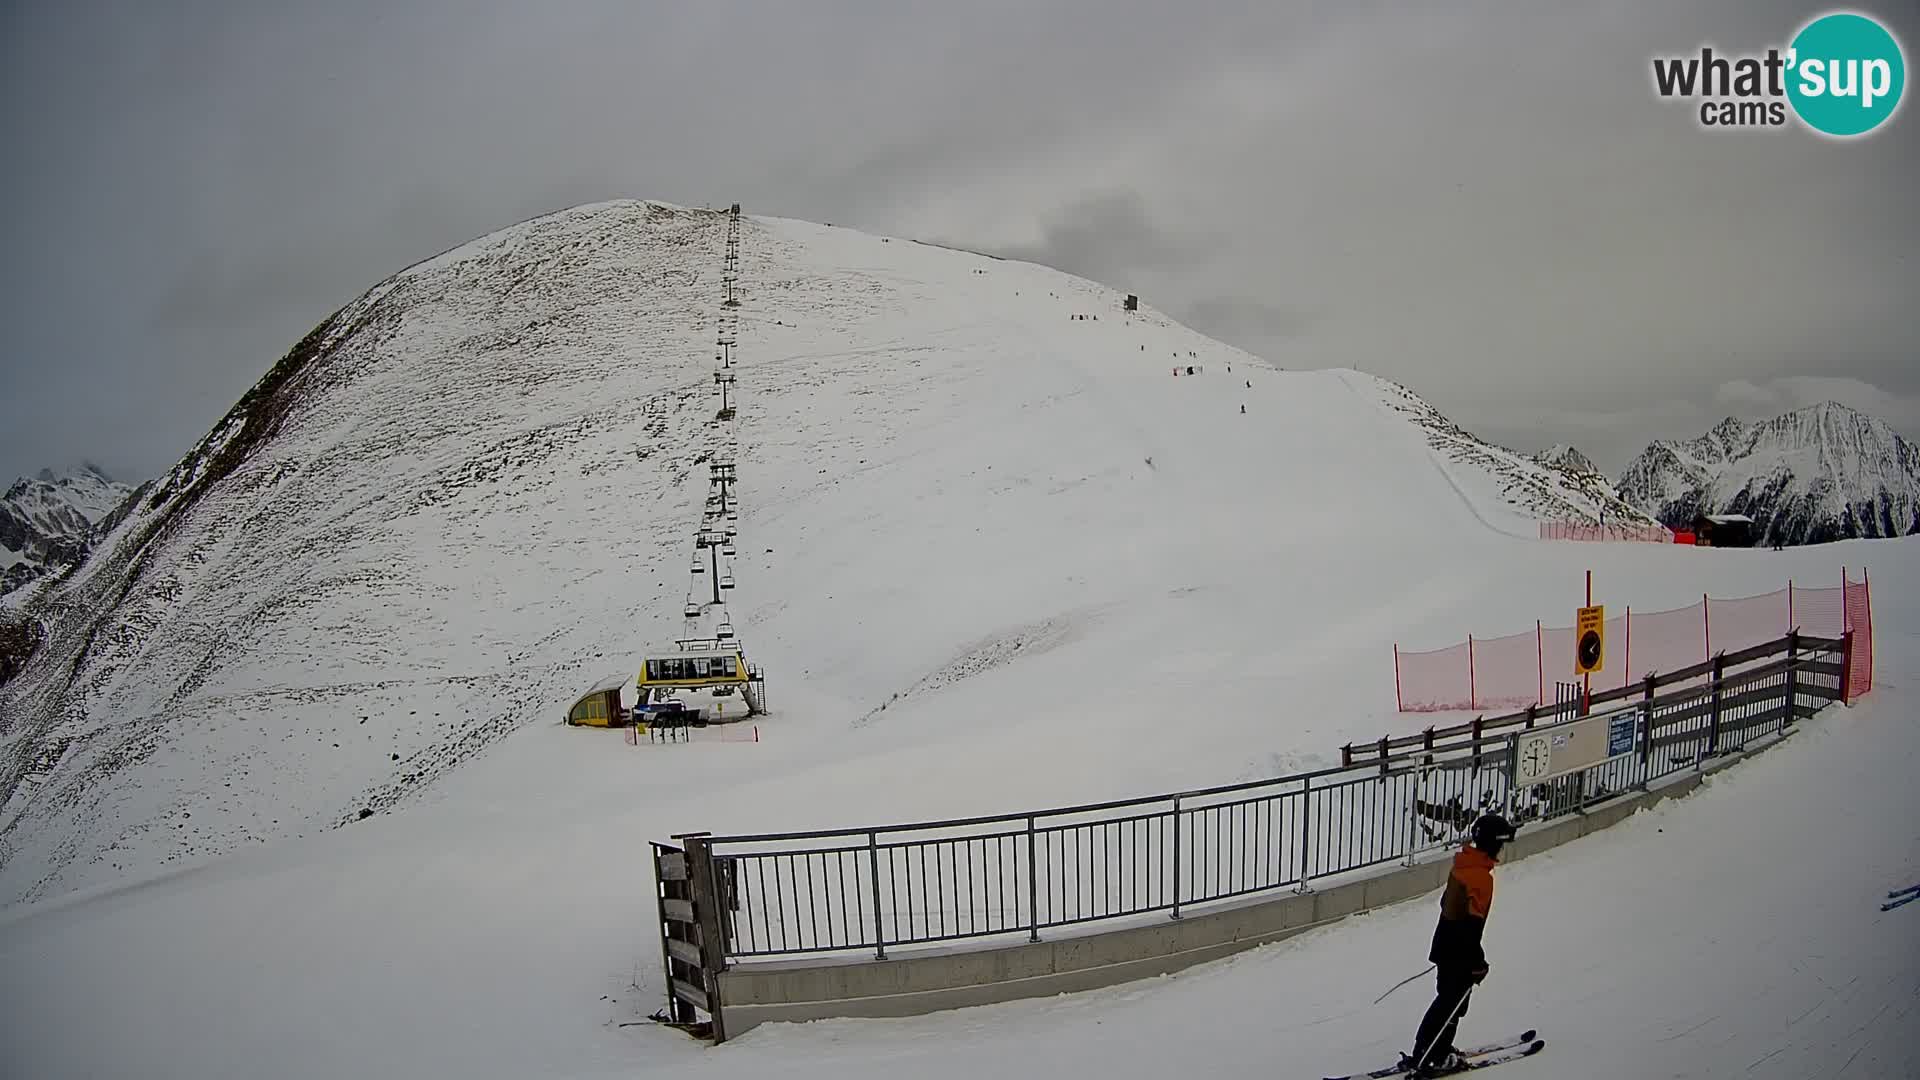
(1436, 1030)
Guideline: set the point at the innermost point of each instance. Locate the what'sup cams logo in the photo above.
(1842, 75)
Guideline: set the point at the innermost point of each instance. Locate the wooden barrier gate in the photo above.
(691, 917)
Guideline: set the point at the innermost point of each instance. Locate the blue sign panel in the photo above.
(1620, 734)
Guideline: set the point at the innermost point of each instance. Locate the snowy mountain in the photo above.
(993, 554)
(45, 521)
(1563, 456)
(472, 491)
(1820, 473)
(1559, 485)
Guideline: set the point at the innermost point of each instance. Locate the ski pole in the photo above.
(1457, 1006)
(1401, 983)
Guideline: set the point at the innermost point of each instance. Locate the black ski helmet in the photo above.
(1491, 832)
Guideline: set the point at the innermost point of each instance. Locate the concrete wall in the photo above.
(929, 980)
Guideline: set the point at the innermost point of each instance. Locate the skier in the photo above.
(1456, 951)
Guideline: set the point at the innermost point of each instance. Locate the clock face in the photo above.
(1589, 651)
(1534, 758)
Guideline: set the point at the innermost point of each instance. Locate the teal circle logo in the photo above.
(1845, 74)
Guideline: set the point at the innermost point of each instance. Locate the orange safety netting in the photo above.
(1519, 670)
(1586, 530)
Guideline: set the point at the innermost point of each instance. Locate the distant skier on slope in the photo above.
(1456, 948)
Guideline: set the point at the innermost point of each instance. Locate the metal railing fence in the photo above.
(1023, 873)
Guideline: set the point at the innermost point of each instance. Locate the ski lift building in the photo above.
(704, 664)
(600, 706)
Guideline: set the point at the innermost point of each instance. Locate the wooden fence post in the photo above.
(1713, 714)
(1793, 679)
(706, 911)
(1846, 661)
(1646, 723)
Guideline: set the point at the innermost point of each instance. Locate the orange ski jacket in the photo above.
(1463, 912)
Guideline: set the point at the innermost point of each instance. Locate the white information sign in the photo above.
(1547, 753)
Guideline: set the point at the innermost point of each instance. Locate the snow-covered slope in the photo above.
(45, 521)
(992, 556)
(966, 482)
(499, 930)
(1824, 472)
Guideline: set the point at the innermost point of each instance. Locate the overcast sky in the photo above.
(1486, 203)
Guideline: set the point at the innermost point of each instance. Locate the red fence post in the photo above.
(1866, 585)
(1626, 661)
(1540, 663)
(1399, 703)
(1790, 623)
(1473, 692)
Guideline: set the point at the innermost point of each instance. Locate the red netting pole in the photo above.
(1866, 589)
(1540, 662)
(1473, 692)
(1790, 623)
(1626, 662)
(1399, 703)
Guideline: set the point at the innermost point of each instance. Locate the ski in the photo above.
(1475, 1052)
(1489, 1060)
(1902, 902)
(1895, 894)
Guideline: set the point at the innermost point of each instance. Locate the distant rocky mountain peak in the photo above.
(1567, 457)
(47, 520)
(1821, 472)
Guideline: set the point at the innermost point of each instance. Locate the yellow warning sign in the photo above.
(1590, 639)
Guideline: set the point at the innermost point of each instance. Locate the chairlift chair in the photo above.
(699, 567)
(726, 547)
(723, 632)
(726, 581)
(693, 609)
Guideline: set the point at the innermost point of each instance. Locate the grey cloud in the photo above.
(1103, 234)
(1747, 399)
(1485, 202)
(1232, 318)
